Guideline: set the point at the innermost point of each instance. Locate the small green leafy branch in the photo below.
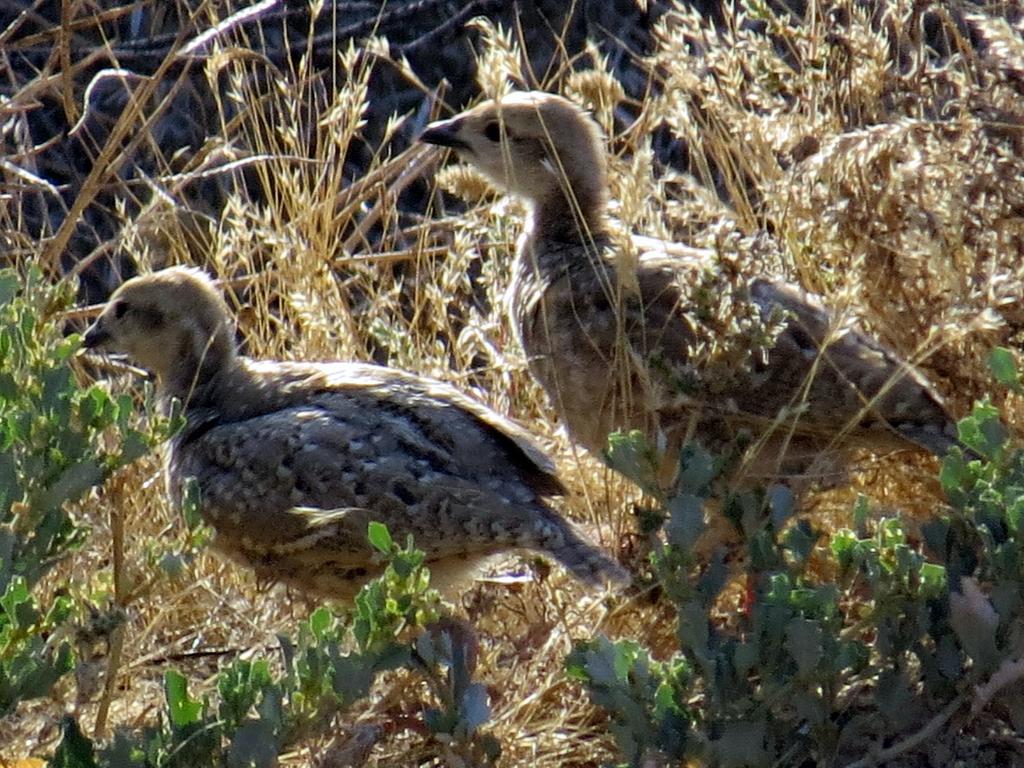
(58, 442)
(852, 648)
(263, 707)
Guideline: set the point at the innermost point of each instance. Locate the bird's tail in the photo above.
(583, 560)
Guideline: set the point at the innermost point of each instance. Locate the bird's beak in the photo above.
(444, 133)
(95, 337)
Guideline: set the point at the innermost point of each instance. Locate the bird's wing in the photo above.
(829, 375)
(468, 430)
(353, 451)
(855, 376)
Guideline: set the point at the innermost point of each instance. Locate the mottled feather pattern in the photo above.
(293, 460)
(638, 349)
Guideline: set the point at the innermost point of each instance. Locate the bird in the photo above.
(618, 336)
(293, 460)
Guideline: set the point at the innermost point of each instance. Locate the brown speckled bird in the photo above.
(293, 460)
(622, 348)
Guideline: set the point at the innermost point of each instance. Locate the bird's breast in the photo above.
(579, 349)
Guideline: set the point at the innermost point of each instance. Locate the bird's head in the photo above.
(537, 145)
(173, 323)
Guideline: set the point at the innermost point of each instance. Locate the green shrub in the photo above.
(262, 707)
(883, 635)
(58, 441)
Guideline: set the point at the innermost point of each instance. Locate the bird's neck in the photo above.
(203, 377)
(556, 240)
(569, 214)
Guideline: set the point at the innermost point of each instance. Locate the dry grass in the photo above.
(885, 177)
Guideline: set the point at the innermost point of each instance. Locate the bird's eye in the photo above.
(492, 131)
(120, 309)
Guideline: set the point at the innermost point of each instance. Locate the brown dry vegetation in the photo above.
(873, 155)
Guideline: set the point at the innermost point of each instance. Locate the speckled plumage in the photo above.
(619, 348)
(293, 460)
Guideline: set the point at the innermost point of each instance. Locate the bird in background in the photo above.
(619, 341)
(293, 460)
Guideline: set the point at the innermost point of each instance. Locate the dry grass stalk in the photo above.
(888, 180)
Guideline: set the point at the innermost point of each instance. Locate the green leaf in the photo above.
(57, 387)
(576, 662)
(10, 490)
(995, 434)
(406, 563)
(272, 710)
(27, 325)
(782, 504)
(26, 613)
(253, 746)
(124, 406)
(353, 676)
(1015, 516)
(320, 622)
(933, 579)
(172, 563)
(43, 673)
(239, 686)
(742, 744)
(124, 752)
(9, 390)
(954, 474)
(13, 598)
(183, 710)
(595, 662)
(714, 578)
(745, 656)
(379, 537)
(9, 285)
(949, 657)
(982, 431)
(60, 610)
(133, 446)
(631, 455)
(686, 521)
(696, 470)
(896, 699)
(1004, 367)
(805, 644)
(626, 655)
(72, 483)
(474, 707)
(693, 630)
(66, 348)
(853, 655)
(75, 749)
(440, 722)
(190, 504)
